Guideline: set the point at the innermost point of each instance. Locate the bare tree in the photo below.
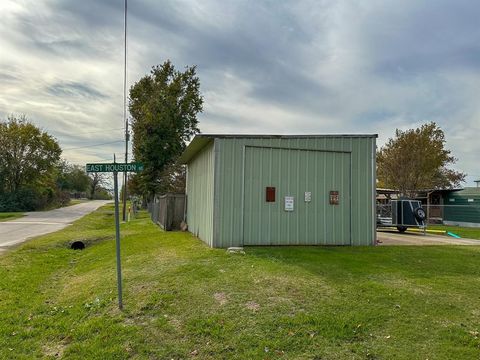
(97, 182)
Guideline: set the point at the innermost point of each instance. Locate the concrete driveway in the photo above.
(43, 222)
(392, 237)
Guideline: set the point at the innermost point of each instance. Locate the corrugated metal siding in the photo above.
(461, 210)
(363, 190)
(200, 194)
(293, 172)
(231, 161)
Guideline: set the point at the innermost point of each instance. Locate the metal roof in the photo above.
(280, 136)
(387, 191)
(438, 190)
(197, 144)
(201, 140)
(469, 191)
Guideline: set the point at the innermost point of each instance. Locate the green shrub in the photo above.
(102, 194)
(28, 199)
(22, 200)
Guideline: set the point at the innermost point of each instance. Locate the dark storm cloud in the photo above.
(75, 89)
(83, 30)
(428, 36)
(64, 47)
(92, 14)
(263, 44)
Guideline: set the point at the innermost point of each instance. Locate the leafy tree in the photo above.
(29, 155)
(173, 179)
(28, 161)
(72, 177)
(417, 159)
(78, 178)
(164, 107)
(134, 186)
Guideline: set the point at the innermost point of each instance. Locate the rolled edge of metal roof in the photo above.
(202, 139)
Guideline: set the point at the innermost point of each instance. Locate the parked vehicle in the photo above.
(402, 214)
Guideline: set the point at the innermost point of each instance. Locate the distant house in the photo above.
(384, 196)
(434, 202)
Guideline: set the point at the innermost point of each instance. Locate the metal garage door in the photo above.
(304, 183)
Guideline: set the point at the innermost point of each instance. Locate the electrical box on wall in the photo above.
(334, 198)
(270, 194)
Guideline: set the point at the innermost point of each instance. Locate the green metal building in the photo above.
(281, 190)
(462, 207)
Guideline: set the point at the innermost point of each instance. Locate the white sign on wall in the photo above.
(289, 203)
(308, 196)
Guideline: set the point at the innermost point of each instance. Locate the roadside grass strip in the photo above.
(7, 216)
(184, 300)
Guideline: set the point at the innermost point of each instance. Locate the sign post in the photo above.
(115, 168)
(117, 241)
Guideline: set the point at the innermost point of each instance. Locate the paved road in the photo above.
(43, 222)
(395, 238)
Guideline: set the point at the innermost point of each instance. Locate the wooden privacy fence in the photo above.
(168, 211)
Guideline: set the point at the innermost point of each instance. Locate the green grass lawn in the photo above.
(76, 201)
(464, 232)
(6, 216)
(184, 300)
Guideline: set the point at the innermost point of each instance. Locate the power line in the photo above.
(93, 145)
(88, 132)
(104, 159)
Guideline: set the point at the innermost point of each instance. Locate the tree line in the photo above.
(33, 176)
(164, 106)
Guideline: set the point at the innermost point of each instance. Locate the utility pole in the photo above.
(125, 117)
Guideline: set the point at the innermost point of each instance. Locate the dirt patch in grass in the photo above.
(253, 306)
(221, 298)
(175, 323)
(54, 350)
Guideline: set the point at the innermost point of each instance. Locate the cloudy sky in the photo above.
(365, 66)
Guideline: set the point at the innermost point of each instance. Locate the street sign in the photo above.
(115, 167)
